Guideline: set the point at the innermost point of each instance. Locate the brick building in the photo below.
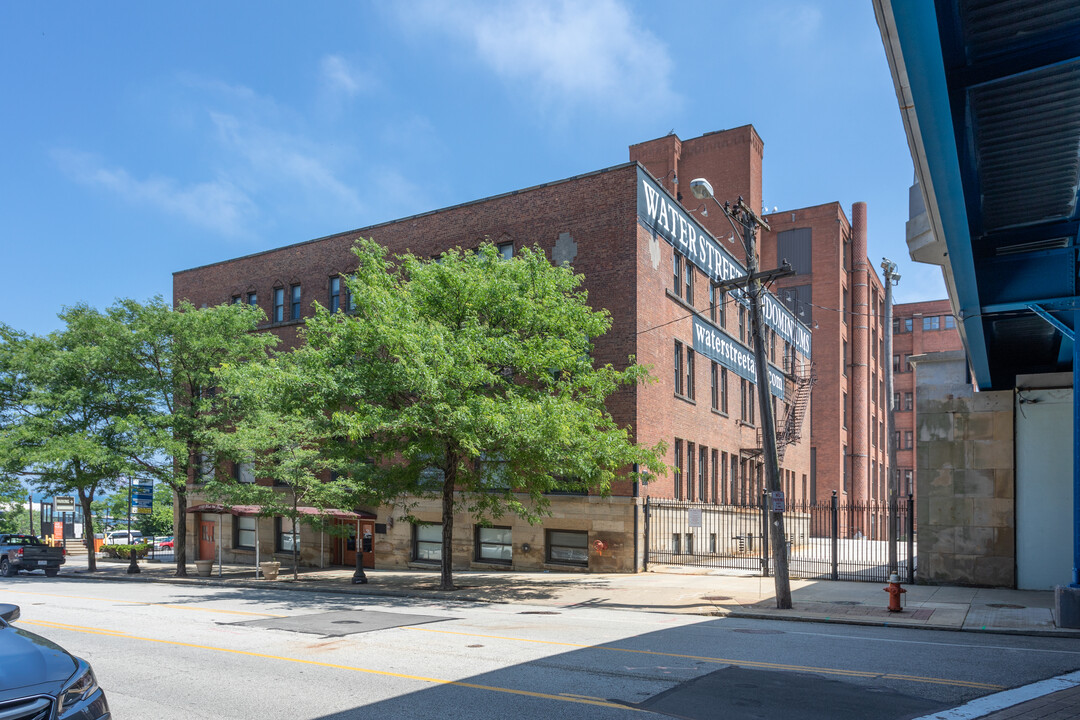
(649, 262)
(918, 328)
(835, 291)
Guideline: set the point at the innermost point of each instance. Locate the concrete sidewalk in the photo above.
(665, 589)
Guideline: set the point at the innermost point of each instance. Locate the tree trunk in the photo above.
(446, 581)
(88, 530)
(180, 539)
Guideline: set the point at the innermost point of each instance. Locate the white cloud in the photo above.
(339, 76)
(217, 205)
(567, 52)
(275, 157)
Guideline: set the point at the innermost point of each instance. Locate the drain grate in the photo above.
(343, 622)
(538, 612)
(1007, 606)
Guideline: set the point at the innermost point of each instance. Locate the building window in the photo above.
(244, 533)
(843, 368)
(279, 304)
(244, 472)
(204, 468)
(294, 304)
(847, 305)
(950, 322)
(896, 363)
(846, 474)
(678, 469)
(751, 392)
(689, 543)
(689, 373)
(568, 547)
(678, 368)
(335, 294)
(908, 401)
(895, 401)
(688, 272)
(908, 439)
(677, 262)
(493, 544)
(714, 385)
(506, 250)
(909, 486)
(873, 388)
(253, 299)
(676, 543)
(689, 471)
(742, 324)
(712, 302)
(723, 390)
(931, 323)
(721, 299)
(716, 470)
(845, 410)
(702, 473)
(283, 531)
(236, 300)
(427, 543)
(742, 400)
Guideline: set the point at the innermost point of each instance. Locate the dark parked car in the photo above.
(26, 552)
(39, 680)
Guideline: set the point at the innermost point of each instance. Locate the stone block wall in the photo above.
(965, 477)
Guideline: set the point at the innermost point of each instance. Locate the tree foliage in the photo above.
(65, 401)
(282, 429)
(469, 379)
(175, 354)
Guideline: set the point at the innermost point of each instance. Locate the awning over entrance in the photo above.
(254, 510)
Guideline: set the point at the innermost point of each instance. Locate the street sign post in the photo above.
(63, 504)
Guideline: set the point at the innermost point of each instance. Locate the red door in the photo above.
(207, 539)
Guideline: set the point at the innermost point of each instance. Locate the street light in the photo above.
(746, 222)
(891, 278)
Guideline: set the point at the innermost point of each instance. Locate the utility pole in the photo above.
(891, 278)
(747, 222)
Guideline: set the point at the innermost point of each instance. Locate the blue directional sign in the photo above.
(142, 498)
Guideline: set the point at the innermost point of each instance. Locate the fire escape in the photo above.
(799, 380)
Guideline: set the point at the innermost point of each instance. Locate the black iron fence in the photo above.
(828, 541)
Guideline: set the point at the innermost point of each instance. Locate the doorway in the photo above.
(345, 546)
(207, 538)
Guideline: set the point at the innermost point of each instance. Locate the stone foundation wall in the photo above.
(965, 477)
(609, 520)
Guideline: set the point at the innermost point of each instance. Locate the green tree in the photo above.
(175, 354)
(13, 516)
(469, 379)
(282, 428)
(64, 403)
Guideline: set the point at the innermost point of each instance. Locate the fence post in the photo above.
(910, 539)
(645, 559)
(834, 536)
(764, 534)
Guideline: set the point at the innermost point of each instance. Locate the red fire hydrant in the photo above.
(895, 591)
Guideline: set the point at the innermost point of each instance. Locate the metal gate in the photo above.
(825, 541)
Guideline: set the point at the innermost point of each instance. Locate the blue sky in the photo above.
(144, 138)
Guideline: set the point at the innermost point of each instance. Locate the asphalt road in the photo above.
(166, 651)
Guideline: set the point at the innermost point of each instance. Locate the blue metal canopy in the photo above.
(990, 90)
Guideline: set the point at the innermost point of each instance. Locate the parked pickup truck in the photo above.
(26, 552)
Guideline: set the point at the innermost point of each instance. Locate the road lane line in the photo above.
(731, 661)
(147, 604)
(581, 700)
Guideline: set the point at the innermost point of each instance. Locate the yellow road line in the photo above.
(581, 700)
(147, 604)
(731, 661)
